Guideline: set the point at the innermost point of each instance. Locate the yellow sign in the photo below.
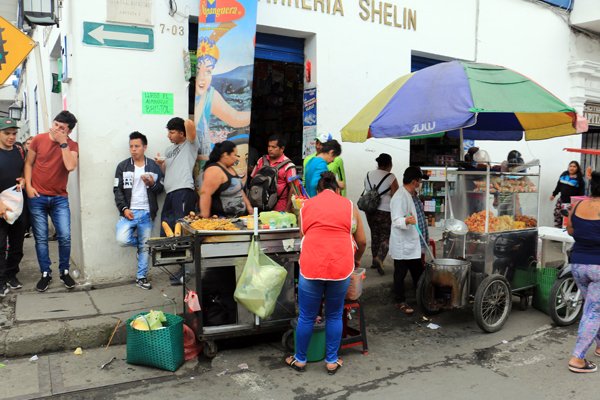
(14, 47)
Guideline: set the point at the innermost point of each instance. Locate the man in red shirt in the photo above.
(275, 148)
(51, 157)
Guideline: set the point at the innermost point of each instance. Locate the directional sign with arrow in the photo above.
(123, 36)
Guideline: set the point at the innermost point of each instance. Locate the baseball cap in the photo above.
(6, 123)
(324, 137)
(413, 173)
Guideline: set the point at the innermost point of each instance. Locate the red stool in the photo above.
(352, 337)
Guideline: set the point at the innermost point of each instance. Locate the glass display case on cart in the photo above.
(500, 206)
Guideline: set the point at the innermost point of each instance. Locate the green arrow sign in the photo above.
(123, 36)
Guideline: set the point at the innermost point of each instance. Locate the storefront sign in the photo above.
(224, 72)
(14, 47)
(157, 103)
(374, 11)
(137, 12)
(592, 112)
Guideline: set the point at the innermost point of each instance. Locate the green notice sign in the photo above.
(157, 103)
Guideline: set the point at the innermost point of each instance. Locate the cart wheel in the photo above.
(565, 301)
(425, 295)
(523, 302)
(493, 300)
(210, 349)
(287, 340)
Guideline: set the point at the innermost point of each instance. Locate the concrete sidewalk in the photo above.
(36, 323)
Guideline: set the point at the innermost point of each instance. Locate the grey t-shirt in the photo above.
(179, 165)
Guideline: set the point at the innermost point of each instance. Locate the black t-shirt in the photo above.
(11, 167)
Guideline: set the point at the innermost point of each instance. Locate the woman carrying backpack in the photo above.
(380, 221)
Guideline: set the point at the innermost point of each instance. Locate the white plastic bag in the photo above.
(14, 200)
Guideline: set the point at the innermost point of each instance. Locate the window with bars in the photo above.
(591, 140)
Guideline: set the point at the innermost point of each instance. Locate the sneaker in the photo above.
(143, 283)
(67, 280)
(43, 283)
(3, 289)
(14, 283)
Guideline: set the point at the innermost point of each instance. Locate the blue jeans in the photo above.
(310, 294)
(142, 223)
(57, 207)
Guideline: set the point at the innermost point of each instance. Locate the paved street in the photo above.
(527, 359)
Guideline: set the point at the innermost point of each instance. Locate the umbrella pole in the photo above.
(461, 150)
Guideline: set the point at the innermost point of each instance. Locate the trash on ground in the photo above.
(425, 319)
(78, 351)
(243, 366)
(108, 362)
(113, 333)
(2, 365)
(505, 341)
(34, 358)
(222, 373)
(431, 325)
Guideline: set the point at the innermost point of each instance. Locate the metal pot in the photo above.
(452, 273)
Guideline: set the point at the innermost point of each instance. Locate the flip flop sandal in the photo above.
(292, 364)
(587, 368)
(597, 352)
(334, 370)
(405, 308)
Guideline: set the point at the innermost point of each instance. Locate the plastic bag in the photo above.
(191, 347)
(14, 200)
(356, 284)
(260, 283)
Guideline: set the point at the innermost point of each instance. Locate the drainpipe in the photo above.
(476, 30)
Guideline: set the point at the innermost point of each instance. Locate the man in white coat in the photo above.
(405, 244)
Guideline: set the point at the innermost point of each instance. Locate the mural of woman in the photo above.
(209, 101)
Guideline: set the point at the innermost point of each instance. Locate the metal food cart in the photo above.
(217, 258)
(498, 253)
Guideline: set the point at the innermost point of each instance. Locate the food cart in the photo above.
(216, 258)
(496, 258)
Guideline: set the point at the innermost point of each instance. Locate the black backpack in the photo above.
(262, 189)
(369, 200)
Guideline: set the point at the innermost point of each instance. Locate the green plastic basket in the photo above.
(162, 348)
(523, 278)
(545, 279)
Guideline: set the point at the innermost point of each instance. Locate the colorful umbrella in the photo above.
(484, 101)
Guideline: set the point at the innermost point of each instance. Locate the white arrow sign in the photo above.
(100, 35)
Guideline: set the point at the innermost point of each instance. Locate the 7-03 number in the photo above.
(174, 29)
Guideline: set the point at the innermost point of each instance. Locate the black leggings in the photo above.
(401, 267)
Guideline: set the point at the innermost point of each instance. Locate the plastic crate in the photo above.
(161, 348)
(523, 278)
(545, 280)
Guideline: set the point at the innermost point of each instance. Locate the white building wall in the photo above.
(352, 61)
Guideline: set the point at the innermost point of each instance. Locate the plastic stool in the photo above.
(352, 337)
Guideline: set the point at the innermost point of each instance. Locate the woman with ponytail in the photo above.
(332, 246)
(222, 191)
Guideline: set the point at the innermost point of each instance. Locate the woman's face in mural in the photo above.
(203, 77)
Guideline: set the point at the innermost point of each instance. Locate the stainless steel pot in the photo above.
(452, 273)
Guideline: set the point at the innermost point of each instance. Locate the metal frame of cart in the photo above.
(218, 257)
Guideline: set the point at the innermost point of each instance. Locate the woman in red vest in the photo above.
(332, 245)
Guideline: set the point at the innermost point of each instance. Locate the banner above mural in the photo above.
(224, 71)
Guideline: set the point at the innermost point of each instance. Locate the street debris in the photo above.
(78, 351)
(2, 365)
(223, 373)
(108, 362)
(504, 341)
(34, 358)
(243, 366)
(425, 319)
(113, 333)
(433, 326)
